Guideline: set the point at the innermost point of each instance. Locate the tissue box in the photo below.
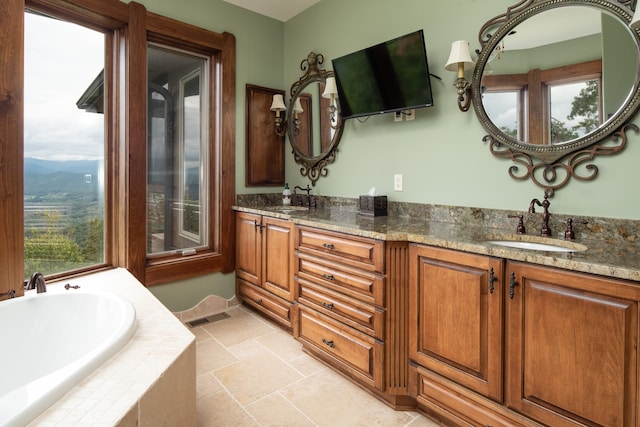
(373, 205)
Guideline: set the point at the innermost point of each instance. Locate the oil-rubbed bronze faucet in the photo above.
(545, 231)
(308, 190)
(36, 282)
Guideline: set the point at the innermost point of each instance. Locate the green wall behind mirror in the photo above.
(440, 154)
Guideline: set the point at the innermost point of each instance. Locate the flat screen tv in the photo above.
(387, 77)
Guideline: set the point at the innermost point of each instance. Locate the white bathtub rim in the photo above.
(64, 379)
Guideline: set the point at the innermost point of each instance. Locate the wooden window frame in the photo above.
(127, 27)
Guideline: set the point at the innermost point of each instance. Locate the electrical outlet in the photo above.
(397, 183)
(397, 117)
(409, 114)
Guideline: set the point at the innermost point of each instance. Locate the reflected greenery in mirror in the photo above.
(316, 126)
(555, 80)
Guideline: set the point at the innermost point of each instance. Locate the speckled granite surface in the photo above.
(613, 247)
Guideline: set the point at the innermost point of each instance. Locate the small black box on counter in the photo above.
(373, 205)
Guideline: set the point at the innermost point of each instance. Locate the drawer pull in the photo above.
(328, 305)
(258, 301)
(328, 277)
(328, 246)
(328, 342)
(492, 278)
(512, 285)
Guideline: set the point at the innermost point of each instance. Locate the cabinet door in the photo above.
(248, 247)
(277, 251)
(571, 347)
(455, 316)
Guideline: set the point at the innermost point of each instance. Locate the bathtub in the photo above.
(51, 341)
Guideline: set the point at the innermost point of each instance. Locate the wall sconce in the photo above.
(331, 93)
(460, 61)
(635, 21)
(278, 106)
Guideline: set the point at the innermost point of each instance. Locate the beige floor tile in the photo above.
(253, 378)
(307, 365)
(282, 344)
(330, 400)
(252, 373)
(239, 327)
(207, 384)
(273, 410)
(201, 334)
(422, 421)
(220, 409)
(210, 355)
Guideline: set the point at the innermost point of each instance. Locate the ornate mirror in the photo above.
(555, 84)
(313, 116)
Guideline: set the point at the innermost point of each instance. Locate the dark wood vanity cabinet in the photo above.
(510, 343)
(264, 266)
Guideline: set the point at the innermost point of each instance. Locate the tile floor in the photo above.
(252, 373)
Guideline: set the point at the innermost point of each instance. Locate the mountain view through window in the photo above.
(64, 146)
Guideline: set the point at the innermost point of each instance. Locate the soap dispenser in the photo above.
(286, 195)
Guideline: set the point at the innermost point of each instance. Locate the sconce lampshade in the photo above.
(330, 88)
(278, 103)
(635, 21)
(297, 107)
(459, 55)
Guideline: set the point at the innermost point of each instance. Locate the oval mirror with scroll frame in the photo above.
(315, 131)
(555, 84)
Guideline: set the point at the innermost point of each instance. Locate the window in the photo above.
(566, 101)
(116, 94)
(574, 109)
(177, 202)
(505, 110)
(64, 198)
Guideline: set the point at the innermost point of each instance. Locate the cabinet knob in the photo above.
(328, 305)
(329, 343)
(328, 277)
(258, 301)
(328, 246)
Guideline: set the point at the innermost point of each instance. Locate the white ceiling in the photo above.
(552, 26)
(282, 10)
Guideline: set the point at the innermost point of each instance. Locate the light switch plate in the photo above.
(397, 182)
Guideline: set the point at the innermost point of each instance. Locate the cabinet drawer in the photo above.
(345, 348)
(458, 406)
(362, 285)
(352, 250)
(359, 315)
(270, 305)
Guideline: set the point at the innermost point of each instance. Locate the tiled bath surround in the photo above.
(609, 230)
(150, 382)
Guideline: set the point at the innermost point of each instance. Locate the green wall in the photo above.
(440, 153)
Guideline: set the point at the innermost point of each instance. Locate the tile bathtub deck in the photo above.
(252, 373)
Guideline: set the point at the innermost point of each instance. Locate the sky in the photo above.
(61, 61)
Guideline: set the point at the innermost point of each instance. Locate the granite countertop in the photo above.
(611, 258)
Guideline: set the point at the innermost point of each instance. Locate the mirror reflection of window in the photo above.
(504, 109)
(574, 110)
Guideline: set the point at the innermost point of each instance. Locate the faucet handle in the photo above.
(520, 227)
(569, 233)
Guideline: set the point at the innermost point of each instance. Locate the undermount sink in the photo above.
(286, 209)
(533, 243)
